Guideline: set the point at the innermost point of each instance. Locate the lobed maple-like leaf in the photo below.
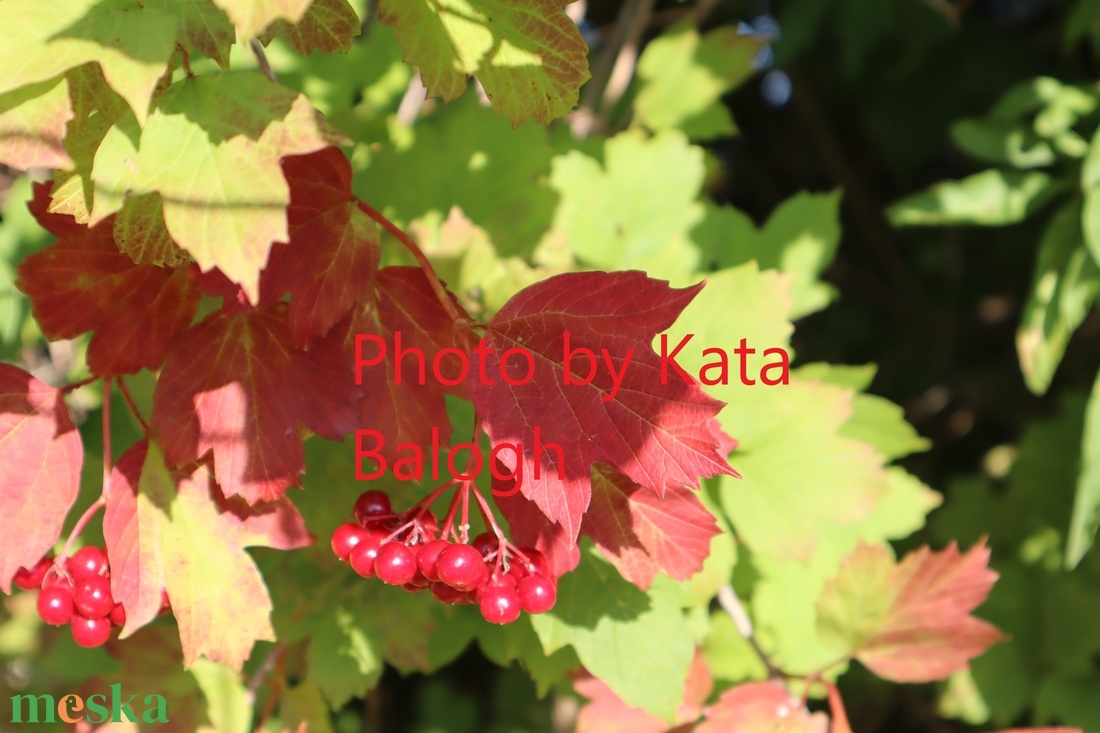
(403, 301)
(32, 126)
(661, 436)
(250, 17)
(761, 707)
(527, 54)
(200, 26)
(607, 713)
(229, 207)
(40, 458)
(130, 43)
(910, 621)
(83, 283)
(176, 530)
(234, 386)
(641, 534)
(327, 25)
(330, 260)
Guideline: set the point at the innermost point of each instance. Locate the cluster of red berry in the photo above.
(77, 591)
(405, 550)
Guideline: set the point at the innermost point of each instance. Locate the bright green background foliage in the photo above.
(943, 366)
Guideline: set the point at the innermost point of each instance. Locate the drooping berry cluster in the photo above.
(409, 550)
(77, 591)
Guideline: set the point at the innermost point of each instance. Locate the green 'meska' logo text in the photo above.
(96, 709)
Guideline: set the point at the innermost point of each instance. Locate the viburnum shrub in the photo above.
(539, 457)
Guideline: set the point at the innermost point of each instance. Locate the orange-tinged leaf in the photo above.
(641, 534)
(83, 283)
(250, 17)
(607, 713)
(32, 126)
(234, 386)
(661, 436)
(761, 707)
(40, 459)
(910, 621)
(177, 529)
(328, 25)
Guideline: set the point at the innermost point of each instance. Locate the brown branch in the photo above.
(261, 58)
(731, 604)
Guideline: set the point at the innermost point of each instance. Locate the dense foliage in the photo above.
(682, 366)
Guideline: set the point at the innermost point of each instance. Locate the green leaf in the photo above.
(527, 54)
(227, 702)
(999, 141)
(229, 205)
(131, 44)
(636, 210)
(800, 237)
(250, 17)
(683, 76)
(638, 643)
(989, 198)
(32, 126)
(200, 26)
(303, 705)
(1065, 285)
(1086, 506)
(345, 653)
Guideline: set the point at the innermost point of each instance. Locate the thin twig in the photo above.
(625, 62)
(583, 119)
(731, 604)
(836, 706)
(259, 677)
(77, 385)
(122, 388)
(261, 58)
(409, 109)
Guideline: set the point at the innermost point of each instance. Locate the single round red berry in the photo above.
(536, 564)
(484, 543)
(395, 564)
(32, 579)
(428, 556)
(91, 632)
(55, 605)
(461, 567)
(371, 504)
(419, 580)
(429, 525)
(446, 594)
(364, 554)
(537, 594)
(118, 615)
(92, 597)
(345, 538)
(499, 604)
(87, 562)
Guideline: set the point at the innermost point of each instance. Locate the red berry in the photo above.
(499, 604)
(395, 564)
(536, 594)
(32, 579)
(91, 632)
(461, 567)
(87, 562)
(363, 555)
(345, 538)
(371, 504)
(536, 562)
(419, 580)
(92, 597)
(429, 524)
(484, 543)
(446, 594)
(55, 605)
(427, 557)
(118, 615)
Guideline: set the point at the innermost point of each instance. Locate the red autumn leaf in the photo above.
(83, 283)
(642, 535)
(761, 707)
(234, 385)
(529, 527)
(607, 713)
(661, 436)
(403, 302)
(175, 530)
(910, 621)
(333, 250)
(40, 458)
